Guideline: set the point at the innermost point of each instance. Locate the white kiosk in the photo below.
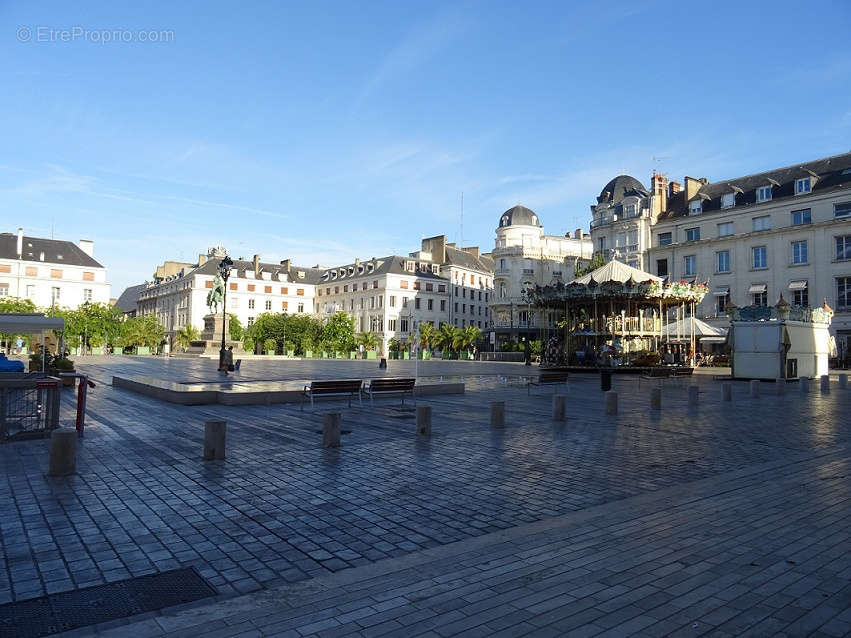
(783, 342)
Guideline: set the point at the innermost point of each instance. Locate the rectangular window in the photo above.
(602, 242)
(429, 287)
(799, 252)
(728, 200)
(285, 291)
(843, 292)
(725, 229)
(692, 234)
(456, 306)
(762, 223)
(802, 186)
(87, 294)
(55, 273)
(235, 302)
(267, 289)
(800, 297)
(801, 217)
(54, 295)
(284, 305)
(88, 276)
(375, 284)
(403, 324)
(391, 325)
(416, 285)
(760, 298)
(30, 291)
(464, 293)
(268, 305)
(233, 286)
(4, 290)
(371, 303)
(208, 284)
(760, 259)
(443, 305)
(721, 303)
(416, 303)
(665, 239)
(381, 301)
(662, 267)
(301, 307)
(842, 210)
(690, 265)
(32, 271)
(403, 284)
(763, 193)
(695, 207)
(251, 304)
(723, 261)
(300, 292)
(463, 308)
(441, 287)
(251, 321)
(346, 288)
(404, 302)
(250, 287)
(5, 268)
(430, 304)
(363, 286)
(843, 247)
(630, 210)
(392, 301)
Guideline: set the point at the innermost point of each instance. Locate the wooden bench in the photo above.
(387, 386)
(336, 388)
(548, 377)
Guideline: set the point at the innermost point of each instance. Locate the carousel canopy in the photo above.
(683, 327)
(617, 272)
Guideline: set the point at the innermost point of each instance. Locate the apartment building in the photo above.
(51, 272)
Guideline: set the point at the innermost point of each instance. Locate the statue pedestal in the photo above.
(211, 337)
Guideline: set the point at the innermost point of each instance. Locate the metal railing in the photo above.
(29, 406)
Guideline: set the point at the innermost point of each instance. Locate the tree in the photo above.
(186, 335)
(428, 334)
(471, 335)
(13, 304)
(367, 340)
(235, 328)
(142, 331)
(339, 332)
(597, 261)
(447, 338)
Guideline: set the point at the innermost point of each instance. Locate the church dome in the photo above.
(519, 216)
(620, 187)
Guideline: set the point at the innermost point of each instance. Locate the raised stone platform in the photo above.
(235, 392)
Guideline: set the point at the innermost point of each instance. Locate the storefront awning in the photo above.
(756, 289)
(798, 285)
(721, 291)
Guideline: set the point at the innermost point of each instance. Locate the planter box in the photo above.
(369, 354)
(464, 354)
(353, 355)
(97, 350)
(142, 350)
(290, 353)
(308, 353)
(406, 354)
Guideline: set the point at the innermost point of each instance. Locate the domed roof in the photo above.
(620, 187)
(519, 216)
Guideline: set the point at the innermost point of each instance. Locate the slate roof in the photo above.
(519, 215)
(127, 301)
(832, 173)
(56, 251)
(311, 275)
(393, 264)
(620, 187)
(463, 259)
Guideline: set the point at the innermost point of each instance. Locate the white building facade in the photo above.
(51, 272)
(524, 256)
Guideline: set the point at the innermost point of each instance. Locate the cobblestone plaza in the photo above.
(719, 517)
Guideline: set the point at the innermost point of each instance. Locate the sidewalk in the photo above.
(760, 551)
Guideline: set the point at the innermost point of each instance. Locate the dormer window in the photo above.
(410, 266)
(763, 194)
(803, 186)
(728, 200)
(695, 207)
(629, 209)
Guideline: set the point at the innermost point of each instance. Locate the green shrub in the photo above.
(269, 346)
(248, 344)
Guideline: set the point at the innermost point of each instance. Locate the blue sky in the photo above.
(323, 131)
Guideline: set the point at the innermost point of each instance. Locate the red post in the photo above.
(81, 403)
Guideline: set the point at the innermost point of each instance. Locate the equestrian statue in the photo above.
(216, 296)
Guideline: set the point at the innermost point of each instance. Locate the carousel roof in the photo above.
(618, 272)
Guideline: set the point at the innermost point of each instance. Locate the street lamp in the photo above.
(225, 266)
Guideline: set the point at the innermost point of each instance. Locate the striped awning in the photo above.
(756, 289)
(798, 285)
(721, 291)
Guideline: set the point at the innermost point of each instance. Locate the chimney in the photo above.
(256, 265)
(41, 256)
(357, 262)
(473, 250)
(692, 185)
(20, 242)
(286, 264)
(659, 185)
(674, 188)
(202, 259)
(88, 247)
(579, 234)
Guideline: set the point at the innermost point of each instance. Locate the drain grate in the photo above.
(101, 603)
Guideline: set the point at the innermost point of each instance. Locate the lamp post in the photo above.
(225, 266)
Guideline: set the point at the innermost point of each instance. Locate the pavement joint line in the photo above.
(279, 598)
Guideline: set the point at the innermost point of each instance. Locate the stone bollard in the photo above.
(780, 386)
(726, 391)
(611, 402)
(331, 429)
(498, 414)
(804, 385)
(63, 452)
(214, 440)
(825, 384)
(755, 388)
(656, 399)
(424, 420)
(693, 394)
(559, 407)
(843, 381)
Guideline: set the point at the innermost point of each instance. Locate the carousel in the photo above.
(618, 315)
